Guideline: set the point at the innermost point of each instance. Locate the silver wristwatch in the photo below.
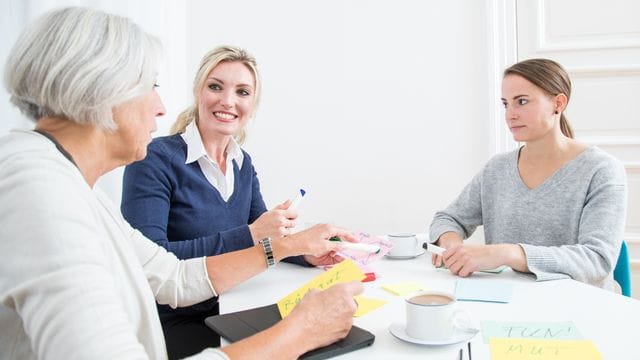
(268, 251)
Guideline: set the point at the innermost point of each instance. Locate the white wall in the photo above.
(381, 110)
(163, 18)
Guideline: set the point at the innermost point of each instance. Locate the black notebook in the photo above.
(239, 325)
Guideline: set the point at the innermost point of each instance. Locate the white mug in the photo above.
(434, 315)
(404, 244)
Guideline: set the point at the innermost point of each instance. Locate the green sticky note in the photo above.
(559, 330)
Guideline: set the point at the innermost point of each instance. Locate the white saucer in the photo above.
(398, 330)
(420, 252)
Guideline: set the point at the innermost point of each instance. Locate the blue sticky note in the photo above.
(484, 290)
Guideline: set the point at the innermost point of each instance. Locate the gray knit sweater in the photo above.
(571, 225)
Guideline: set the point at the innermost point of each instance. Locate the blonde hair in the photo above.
(550, 77)
(209, 61)
(78, 63)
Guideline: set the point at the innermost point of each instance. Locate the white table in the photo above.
(608, 319)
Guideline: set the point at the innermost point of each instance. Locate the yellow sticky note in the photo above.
(404, 288)
(367, 305)
(533, 349)
(345, 271)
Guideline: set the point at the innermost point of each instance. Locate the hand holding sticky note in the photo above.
(345, 271)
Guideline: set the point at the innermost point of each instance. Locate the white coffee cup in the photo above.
(404, 244)
(434, 316)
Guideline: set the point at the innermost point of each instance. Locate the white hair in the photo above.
(78, 63)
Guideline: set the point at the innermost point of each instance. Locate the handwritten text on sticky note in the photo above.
(530, 349)
(343, 272)
(530, 330)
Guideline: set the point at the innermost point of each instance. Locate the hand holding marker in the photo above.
(370, 248)
(432, 248)
(297, 200)
(435, 249)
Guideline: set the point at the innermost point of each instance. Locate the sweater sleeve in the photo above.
(600, 234)
(463, 215)
(146, 202)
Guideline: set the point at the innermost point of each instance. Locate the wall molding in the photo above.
(628, 40)
(631, 165)
(502, 34)
(604, 140)
(611, 70)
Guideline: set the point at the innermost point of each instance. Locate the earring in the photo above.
(556, 112)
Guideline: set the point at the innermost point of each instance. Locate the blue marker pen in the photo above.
(297, 199)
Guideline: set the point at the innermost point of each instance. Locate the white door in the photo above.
(598, 42)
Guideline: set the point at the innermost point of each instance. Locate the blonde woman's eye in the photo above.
(156, 85)
(522, 101)
(214, 87)
(243, 92)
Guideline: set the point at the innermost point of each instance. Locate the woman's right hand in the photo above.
(314, 241)
(323, 317)
(274, 223)
(447, 241)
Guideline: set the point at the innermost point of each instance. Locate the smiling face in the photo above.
(136, 120)
(529, 111)
(226, 101)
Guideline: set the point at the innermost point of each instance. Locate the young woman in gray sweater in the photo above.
(555, 207)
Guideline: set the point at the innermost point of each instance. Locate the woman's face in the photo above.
(226, 101)
(529, 112)
(136, 120)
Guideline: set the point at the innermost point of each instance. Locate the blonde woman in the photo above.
(197, 192)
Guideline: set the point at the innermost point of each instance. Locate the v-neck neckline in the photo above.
(551, 179)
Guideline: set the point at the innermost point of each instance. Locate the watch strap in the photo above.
(268, 252)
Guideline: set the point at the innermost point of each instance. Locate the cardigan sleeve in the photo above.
(56, 274)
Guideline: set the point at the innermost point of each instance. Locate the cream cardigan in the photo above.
(76, 281)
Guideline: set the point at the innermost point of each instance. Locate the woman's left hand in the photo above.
(274, 223)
